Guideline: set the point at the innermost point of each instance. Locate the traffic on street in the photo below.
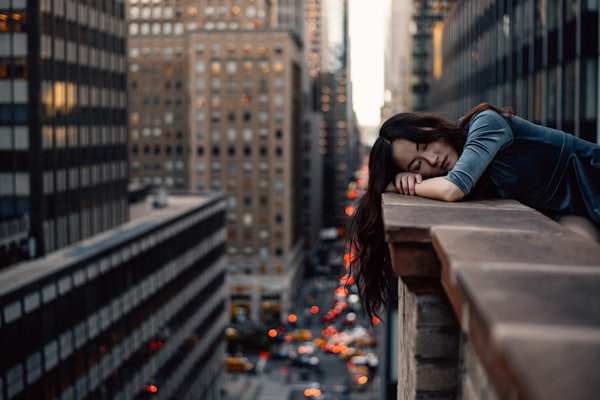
(326, 350)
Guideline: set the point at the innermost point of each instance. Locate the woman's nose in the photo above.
(431, 158)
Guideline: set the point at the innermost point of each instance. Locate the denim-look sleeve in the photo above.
(488, 133)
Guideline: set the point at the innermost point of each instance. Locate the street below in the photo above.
(333, 354)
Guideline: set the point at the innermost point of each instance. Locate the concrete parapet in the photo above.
(495, 301)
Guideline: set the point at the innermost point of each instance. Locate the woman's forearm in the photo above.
(439, 188)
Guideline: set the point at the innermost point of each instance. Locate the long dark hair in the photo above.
(369, 262)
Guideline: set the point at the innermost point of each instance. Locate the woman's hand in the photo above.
(405, 182)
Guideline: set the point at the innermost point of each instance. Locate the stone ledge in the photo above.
(525, 289)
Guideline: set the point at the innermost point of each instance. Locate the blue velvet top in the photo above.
(549, 170)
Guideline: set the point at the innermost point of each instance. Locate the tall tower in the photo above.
(63, 142)
(216, 104)
(327, 57)
(398, 58)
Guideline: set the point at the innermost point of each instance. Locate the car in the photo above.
(350, 319)
(313, 391)
(238, 364)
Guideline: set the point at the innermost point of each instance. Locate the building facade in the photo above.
(398, 58)
(327, 53)
(63, 141)
(135, 311)
(216, 96)
(538, 57)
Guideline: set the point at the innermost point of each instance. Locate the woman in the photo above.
(490, 153)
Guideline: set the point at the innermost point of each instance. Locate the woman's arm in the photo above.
(489, 132)
(439, 188)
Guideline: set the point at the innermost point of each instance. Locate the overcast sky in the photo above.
(366, 52)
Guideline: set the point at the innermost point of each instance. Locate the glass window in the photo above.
(248, 65)
(231, 66)
(215, 66)
(231, 134)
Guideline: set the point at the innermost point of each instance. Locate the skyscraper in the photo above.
(216, 104)
(63, 141)
(327, 59)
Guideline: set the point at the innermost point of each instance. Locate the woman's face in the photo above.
(428, 159)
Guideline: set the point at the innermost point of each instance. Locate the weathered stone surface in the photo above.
(525, 290)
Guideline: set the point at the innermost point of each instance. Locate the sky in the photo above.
(366, 58)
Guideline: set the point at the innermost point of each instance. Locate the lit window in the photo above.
(134, 29)
(134, 12)
(278, 66)
(247, 65)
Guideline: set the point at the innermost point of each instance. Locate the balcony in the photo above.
(495, 301)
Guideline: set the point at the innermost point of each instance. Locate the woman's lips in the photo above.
(444, 165)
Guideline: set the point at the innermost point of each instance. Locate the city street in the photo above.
(286, 375)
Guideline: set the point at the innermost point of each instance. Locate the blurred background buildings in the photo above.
(230, 125)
